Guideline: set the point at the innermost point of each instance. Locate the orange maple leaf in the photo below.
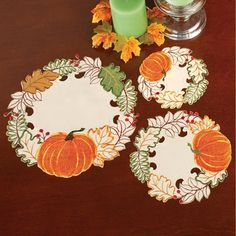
(154, 12)
(102, 12)
(107, 39)
(155, 31)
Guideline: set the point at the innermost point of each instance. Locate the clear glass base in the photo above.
(185, 22)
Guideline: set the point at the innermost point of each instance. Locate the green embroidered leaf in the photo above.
(63, 67)
(212, 179)
(27, 151)
(195, 91)
(197, 70)
(147, 138)
(15, 129)
(140, 166)
(128, 98)
(112, 79)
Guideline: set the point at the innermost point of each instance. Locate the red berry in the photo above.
(47, 133)
(150, 98)
(191, 113)
(17, 114)
(178, 191)
(38, 135)
(41, 130)
(77, 56)
(5, 114)
(10, 118)
(127, 115)
(174, 197)
(192, 121)
(182, 117)
(126, 119)
(185, 112)
(196, 114)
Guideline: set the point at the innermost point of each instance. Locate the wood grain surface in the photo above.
(107, 201)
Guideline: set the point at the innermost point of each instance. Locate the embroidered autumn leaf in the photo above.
(38, 81)
(127, 47)
(155, 33)
(112, 79)
(106, 149)
(104, 35)
(154, 12)
(102, 12)
(206, 123)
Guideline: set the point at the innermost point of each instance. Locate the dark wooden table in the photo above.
(107, 201)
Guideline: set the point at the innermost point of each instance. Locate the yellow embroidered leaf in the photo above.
(206, 123)
(130, 46)
(38, 81)
(155, 31)
(154, 12)
(102, 12)
(106, 149)
(107, 39)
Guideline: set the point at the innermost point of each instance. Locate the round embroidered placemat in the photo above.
(71, 115)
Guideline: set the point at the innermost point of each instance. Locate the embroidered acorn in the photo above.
(212, 150)
(66, 155)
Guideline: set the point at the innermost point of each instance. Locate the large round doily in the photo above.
(173, 77)
(71, 115)
(181, 156)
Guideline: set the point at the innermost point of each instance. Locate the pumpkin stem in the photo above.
(70, 135)
(164, 74)
(197, 151)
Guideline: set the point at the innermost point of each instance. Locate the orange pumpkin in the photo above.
(155, 66)
(66, 155)
(212, 150)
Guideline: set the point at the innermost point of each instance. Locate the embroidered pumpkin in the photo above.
(155, 66)
(212, 150)
(65, 155)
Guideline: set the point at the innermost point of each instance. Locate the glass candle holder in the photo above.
(184, 21)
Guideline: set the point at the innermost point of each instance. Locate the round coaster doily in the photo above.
(181, 156)
(173, 77)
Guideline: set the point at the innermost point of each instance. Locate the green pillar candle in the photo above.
(179, 3)
(129, 17)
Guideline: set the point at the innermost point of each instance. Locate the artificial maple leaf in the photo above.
(154, 12)
(104, 35)
(102, 12)
(155, 32)
(127, 46)
(38, 81)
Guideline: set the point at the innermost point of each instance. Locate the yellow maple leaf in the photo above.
(155, 31)
(102, 12)
(107, 39)
(127, 47)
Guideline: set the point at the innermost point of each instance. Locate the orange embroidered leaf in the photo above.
(155, 31)
(38, 81)
(154, 12)
(104, 35)
(127, 47)
(102, 12)
(106, 149)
